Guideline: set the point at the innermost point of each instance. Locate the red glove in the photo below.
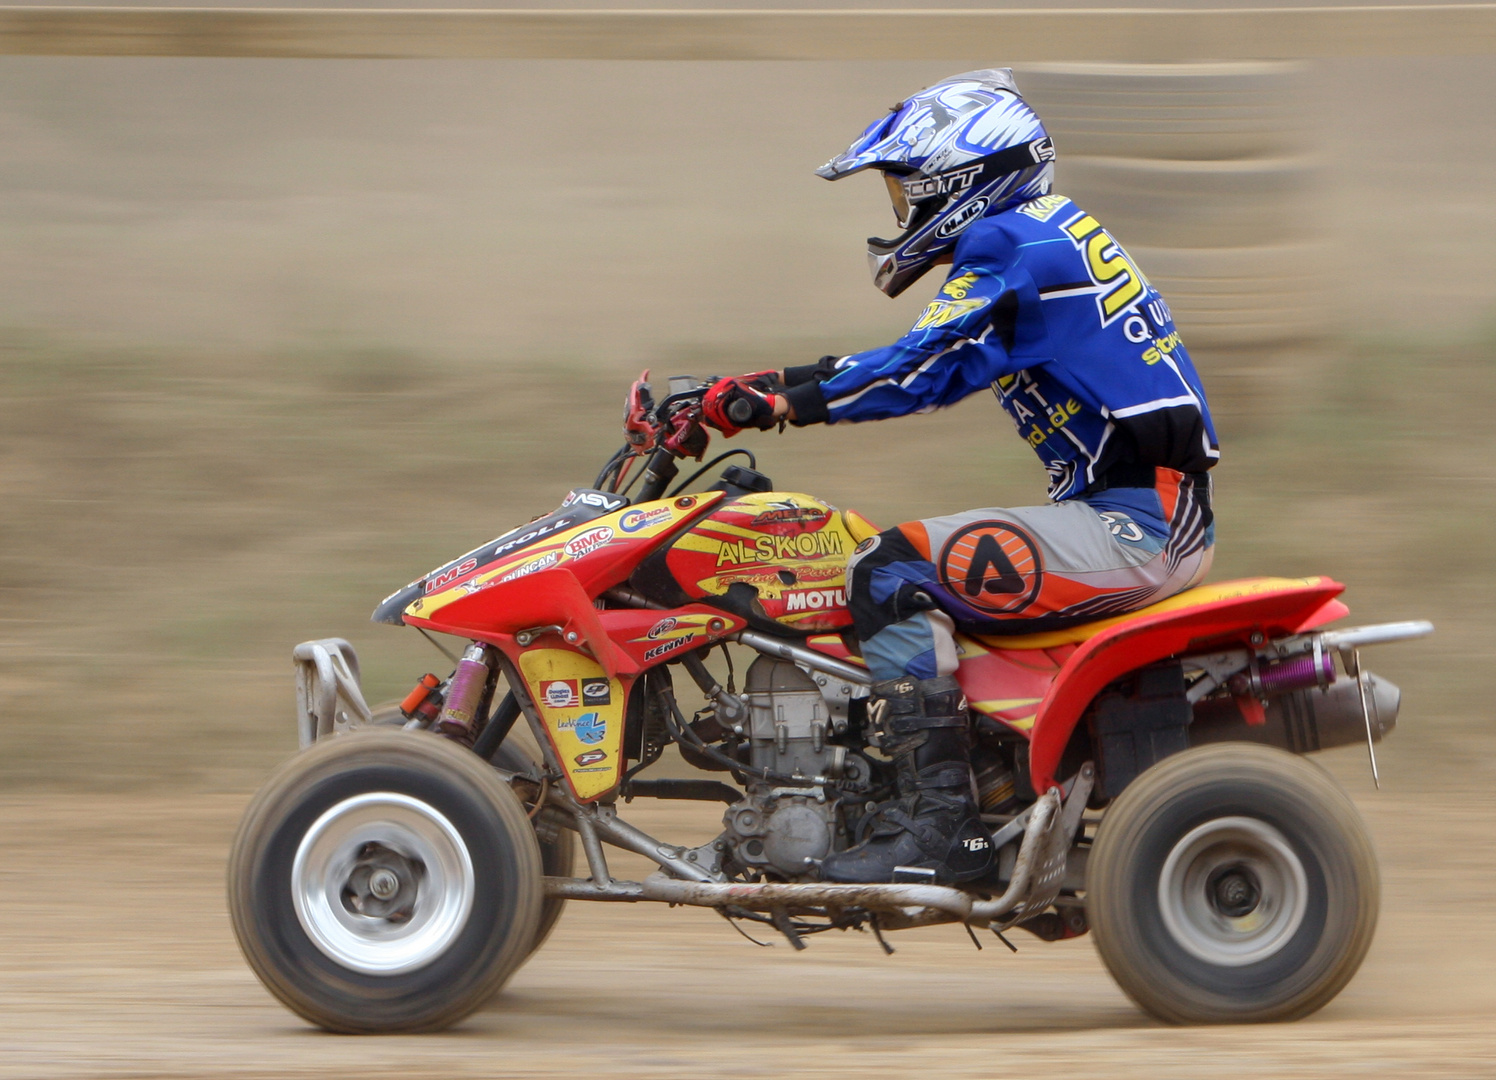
(740, 402)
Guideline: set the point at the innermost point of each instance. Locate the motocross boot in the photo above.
(933, 825)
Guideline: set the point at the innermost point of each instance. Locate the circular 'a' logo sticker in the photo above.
(993, 566)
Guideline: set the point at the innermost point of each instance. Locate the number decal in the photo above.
(1108, 265)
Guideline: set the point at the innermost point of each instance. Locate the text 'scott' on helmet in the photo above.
(955, 152)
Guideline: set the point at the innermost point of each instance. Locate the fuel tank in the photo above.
(778, 559)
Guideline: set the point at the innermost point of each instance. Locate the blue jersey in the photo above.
(1044, 307)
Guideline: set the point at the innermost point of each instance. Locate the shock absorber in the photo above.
(459, 716)
(1297, 673)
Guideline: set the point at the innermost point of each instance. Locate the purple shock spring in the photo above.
(463, 695)
(1298, 673)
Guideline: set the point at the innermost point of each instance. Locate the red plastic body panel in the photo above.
(599, 553)
(544, 598)
(1139, 641)
(1007, 684)
(623, 642)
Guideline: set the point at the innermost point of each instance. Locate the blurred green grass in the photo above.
(174, 523)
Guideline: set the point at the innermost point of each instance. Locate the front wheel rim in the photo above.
(1233, 891)
(382, 883)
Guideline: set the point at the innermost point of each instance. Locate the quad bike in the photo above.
(1143, 776)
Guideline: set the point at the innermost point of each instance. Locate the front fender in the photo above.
(1271, 608)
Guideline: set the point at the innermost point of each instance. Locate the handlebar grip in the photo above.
(740, 412)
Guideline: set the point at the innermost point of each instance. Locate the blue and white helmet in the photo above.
(955, 152)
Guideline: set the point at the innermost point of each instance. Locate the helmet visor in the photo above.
(902, 209)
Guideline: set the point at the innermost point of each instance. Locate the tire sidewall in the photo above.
(1134, 842)
(495, 937)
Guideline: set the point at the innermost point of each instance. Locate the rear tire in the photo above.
(1232, 884)
(385, 881)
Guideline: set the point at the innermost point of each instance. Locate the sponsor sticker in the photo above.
(589, 727)
(962, 218)
(545, 562)
(599, 499)
(1123, 527)
(560, 693)
(663, 627)
(667, 646)
(581, 546)
(815, 599)
(446, 577)
(805, 545)
(591, 757)
(940, 312)
(635, 520)
(958, 287)
(530, 535)
(1044, 207)
(944, 184)
(597, 692)
(792, 514)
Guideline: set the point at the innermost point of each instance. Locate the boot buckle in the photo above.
(913, 875)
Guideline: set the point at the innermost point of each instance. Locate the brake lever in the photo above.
(667, 408)
(689, 438)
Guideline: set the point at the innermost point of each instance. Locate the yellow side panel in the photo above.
(582, 710)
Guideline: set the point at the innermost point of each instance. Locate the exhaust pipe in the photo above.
(1305, 720)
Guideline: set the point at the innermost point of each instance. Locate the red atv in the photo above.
(1142, 775)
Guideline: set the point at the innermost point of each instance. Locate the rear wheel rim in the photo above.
(1233, 891)
(382, 883)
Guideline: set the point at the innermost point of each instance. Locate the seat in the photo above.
(1190, 598)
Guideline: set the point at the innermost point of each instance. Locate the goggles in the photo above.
(903, 210)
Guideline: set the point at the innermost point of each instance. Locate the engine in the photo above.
(791, 724)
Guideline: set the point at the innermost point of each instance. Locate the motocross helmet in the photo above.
(955, 152)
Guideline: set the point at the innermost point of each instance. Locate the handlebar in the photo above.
(664, 432)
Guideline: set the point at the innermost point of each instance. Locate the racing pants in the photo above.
(1026, 569)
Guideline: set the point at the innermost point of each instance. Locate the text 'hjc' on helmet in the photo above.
(955, 152)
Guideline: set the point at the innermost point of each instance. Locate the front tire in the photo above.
(385, 881)
(557, 843)
(1232, 884)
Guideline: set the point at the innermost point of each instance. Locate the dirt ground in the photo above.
(116, 959)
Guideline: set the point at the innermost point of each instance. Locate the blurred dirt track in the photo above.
(116, 959)
(278, 336)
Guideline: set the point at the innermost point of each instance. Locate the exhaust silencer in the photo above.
(1305, 720)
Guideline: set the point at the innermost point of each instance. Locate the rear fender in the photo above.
(1143, 640)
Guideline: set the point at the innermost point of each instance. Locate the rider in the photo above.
(1044, 307)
